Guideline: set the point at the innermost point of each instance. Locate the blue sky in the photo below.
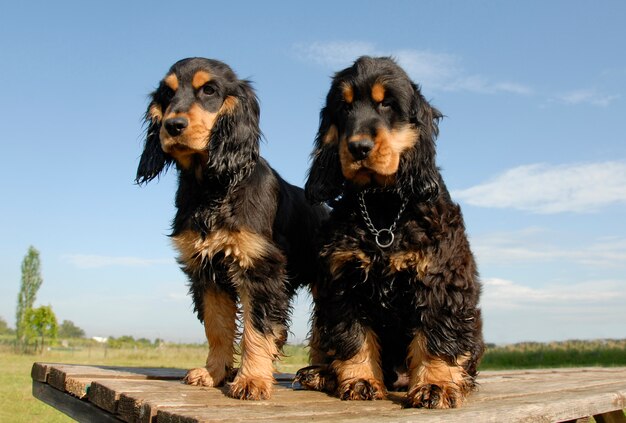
(533, 145)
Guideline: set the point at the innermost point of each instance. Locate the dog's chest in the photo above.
(241, 248)
(378, 264)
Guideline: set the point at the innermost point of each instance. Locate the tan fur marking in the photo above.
(200, 78)
(348, 166)
(316, 354)
(338, 260)
(384, 159)
(171, 81)
(384, 180)
(348, 93)
(426, 369)
(378, 92)
(243, 246)
(155, 112)
(229, 104)
(409, 260)
(332, 136)
(219, 313)
(365, 364)
(258, 352)
(389, 145)
(193, 140)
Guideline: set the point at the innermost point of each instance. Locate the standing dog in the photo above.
(399, 291)
(243, 234)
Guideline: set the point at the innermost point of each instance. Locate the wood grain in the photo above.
(89, 393)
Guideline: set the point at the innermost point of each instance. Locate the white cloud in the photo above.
(506, 294)
(586, 96)
(178, 296)
(536, 245)
(514, 312)
(435, 71)
(87, 261)
(334, 54)
(545, 189)
(444, 72)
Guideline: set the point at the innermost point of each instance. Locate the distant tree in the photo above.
(144, 342)
(69, 330)
(31, 281)
(124, 341)
(41, 323)
(4, 328)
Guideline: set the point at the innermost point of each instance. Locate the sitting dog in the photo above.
(243, 233)
(397, 301)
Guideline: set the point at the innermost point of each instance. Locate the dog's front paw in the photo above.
(434, 396)
(248, 388)
(361, 389)
(205, 377)
(317, 378)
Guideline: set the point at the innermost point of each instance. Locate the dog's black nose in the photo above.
(360, 149)
(176, 126)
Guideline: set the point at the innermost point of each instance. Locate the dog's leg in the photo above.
(261, 344)
(360, 377)
(318, 376)
(219, 314)
(433, 381)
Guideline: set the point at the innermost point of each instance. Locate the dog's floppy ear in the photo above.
(234, 143)
(153, 160)
(418, 173)
(325, 181)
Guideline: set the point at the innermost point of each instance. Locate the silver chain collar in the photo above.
(378, 233)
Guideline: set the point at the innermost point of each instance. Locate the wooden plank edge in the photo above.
(73, 407)
(39, 372)
(616, 416)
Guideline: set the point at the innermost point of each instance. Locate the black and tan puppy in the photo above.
(399, 291)
(243, 233)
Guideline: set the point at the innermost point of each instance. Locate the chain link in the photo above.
(370, 225)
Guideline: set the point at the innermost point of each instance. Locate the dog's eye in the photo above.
(385, 105)
(208, 89)
(167, 94)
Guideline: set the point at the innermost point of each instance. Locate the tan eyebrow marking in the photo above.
(171, 81)
(200, 78)
(378, 92)
(348, 93)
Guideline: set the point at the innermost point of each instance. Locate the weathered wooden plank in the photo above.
(143, 407)
(78, 386)
(71, 378)
(135, 400)
(498, 389)
(137, 395)
(77, 409)
(266, 412)
(566, 404)
(39, 372)
(105, 393)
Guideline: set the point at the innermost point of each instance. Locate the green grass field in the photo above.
(18, 405)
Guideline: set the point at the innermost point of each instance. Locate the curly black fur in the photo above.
(362, 288)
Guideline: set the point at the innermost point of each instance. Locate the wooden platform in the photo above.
(113, 394)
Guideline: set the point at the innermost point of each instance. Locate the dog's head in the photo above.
(200, 117)
(377, 130)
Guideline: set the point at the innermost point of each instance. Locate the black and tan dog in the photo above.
(397, 303)
(243, 233)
